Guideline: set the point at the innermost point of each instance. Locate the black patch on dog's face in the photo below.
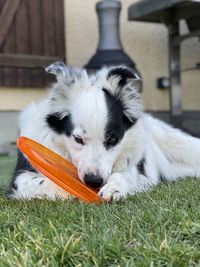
(123, 74)
(60, 126)
(117, 123)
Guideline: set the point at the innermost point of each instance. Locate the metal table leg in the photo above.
(175, 76)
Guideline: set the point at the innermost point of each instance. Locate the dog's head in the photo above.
(96, 116)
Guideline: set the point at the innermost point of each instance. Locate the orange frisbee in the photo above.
(59, 170)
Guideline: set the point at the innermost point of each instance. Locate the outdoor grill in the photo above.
(110, 51)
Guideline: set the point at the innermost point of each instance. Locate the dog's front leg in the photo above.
(122, 184)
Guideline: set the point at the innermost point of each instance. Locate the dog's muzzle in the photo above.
(92, 180)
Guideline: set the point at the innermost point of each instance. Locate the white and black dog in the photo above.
(98, 123)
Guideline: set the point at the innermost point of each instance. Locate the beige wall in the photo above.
(145, 43)
(16, 98)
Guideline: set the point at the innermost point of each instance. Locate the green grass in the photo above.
(6, 168)
(158, 228)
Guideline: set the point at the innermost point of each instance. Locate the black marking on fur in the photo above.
(41, 182)
(141, 167)
(59, 125)
(123, 74)
(35, 177)
(117, 123)
(22, 166)
(52, 99)
(162, 178)
(14, 186)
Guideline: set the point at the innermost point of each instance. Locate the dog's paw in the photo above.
(114, 189)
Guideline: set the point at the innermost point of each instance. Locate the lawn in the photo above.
(158, 228)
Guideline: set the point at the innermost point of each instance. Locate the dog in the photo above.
(98, 123)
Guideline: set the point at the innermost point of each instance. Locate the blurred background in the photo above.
(35, 33)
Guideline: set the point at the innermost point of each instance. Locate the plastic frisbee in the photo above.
(57, 169)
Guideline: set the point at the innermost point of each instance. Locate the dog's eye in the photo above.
(78, 140)
(111, 140)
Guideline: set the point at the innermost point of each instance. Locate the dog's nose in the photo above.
(92, 180)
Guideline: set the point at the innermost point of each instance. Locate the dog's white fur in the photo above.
(168, 152)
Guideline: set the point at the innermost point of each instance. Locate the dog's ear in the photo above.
(125, 84)
(65, 73)
(125, 76)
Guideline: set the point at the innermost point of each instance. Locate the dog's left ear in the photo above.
(125, 75)
(64, 73)
(125, 86)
